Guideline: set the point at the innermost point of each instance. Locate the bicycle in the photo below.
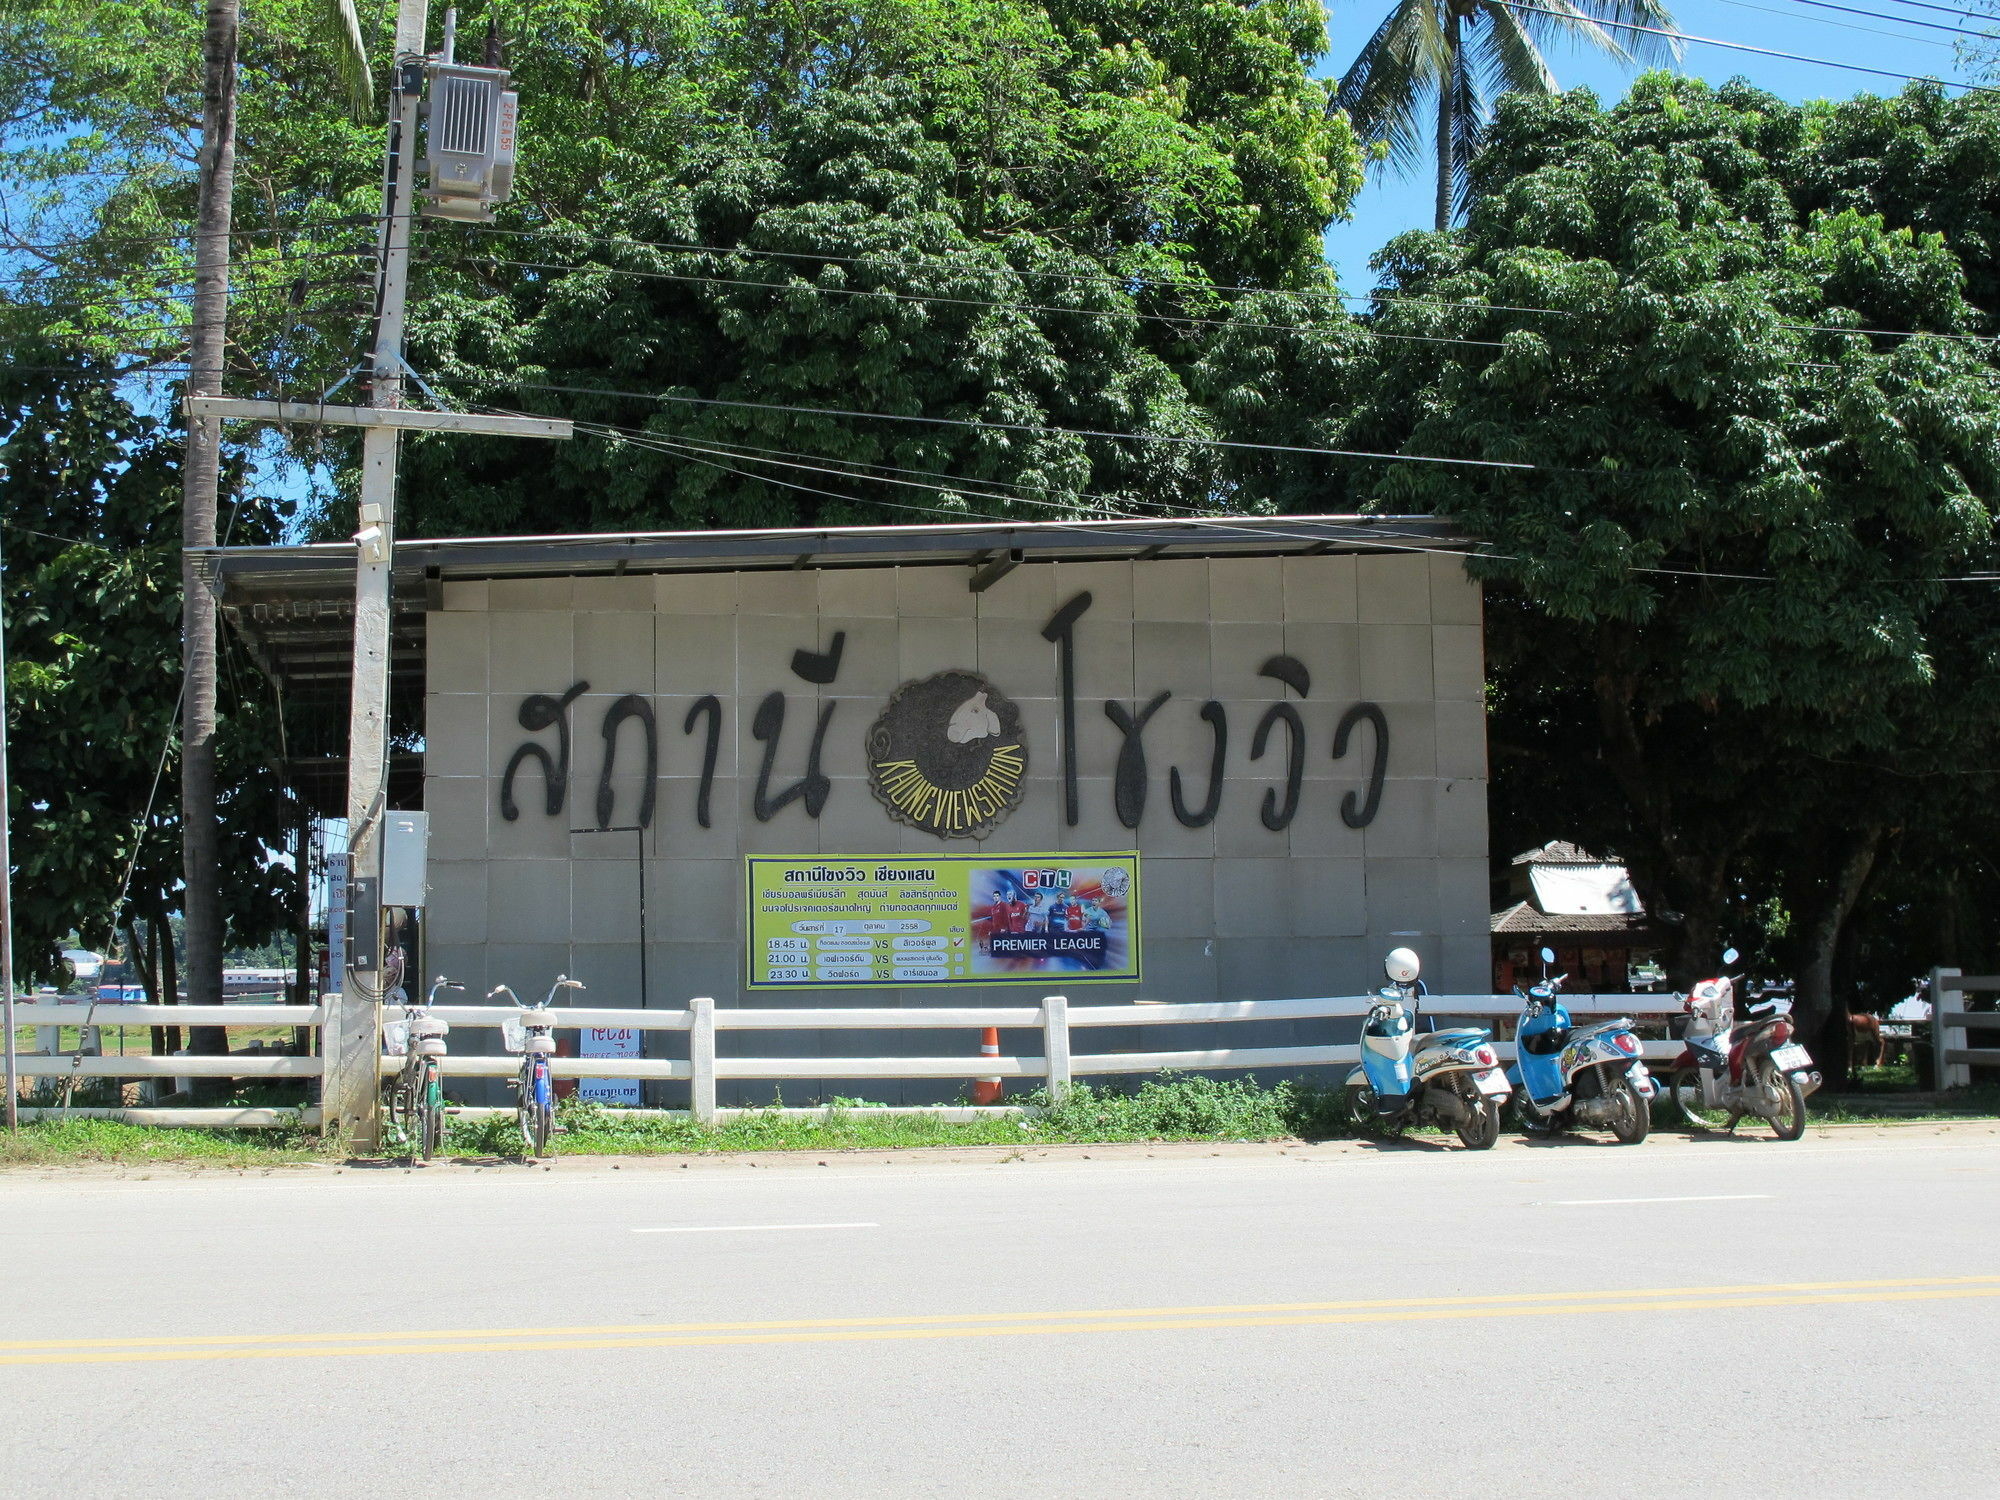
(416, 1098)
(535, 1102)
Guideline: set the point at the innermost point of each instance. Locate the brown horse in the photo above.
(1865, 1045)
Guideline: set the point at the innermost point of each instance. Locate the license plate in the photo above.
(1791, 1059)
(1493, 1081)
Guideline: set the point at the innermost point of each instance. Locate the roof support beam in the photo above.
(994, 571)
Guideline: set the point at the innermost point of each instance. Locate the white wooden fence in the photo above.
(1056, 1065)
(1949, 1023)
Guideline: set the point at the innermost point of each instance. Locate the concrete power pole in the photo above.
(350, 1044)
(350, 1090)
(7, 904)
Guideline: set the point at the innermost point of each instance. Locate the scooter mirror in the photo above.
(1548, 955)
(1402, 966)
(1730, 955)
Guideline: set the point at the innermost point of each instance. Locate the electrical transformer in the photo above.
(469, 143)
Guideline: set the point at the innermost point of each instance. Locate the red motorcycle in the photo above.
(1732, 1068)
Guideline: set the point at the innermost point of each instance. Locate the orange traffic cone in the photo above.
(987, 1090)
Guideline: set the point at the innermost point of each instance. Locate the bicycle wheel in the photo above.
(402, 1115)
(433, 1114)
(524, 1106)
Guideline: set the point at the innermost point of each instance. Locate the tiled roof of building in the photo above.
(1523, 917)
(1556, 852)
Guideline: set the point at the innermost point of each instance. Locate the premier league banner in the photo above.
(942, 919)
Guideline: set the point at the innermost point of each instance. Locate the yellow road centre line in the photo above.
(994, 1325)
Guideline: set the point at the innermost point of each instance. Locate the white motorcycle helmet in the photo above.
(1402, 966)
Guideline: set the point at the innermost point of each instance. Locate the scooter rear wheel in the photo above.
(1631, 1117)
(1790, 1121)
(1480, 1127)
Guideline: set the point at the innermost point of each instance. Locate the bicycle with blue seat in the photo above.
(535, 1094)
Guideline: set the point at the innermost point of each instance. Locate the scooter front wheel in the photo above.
(1534, 1123)
(1693, 1105)
(1361, 1111)
(1479, 1127)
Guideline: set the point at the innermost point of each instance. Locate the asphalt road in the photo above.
(1727, 1318)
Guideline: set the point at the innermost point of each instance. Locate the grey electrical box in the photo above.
(469, 141)
(405, 858)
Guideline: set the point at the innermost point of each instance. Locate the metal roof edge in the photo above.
(722, 551)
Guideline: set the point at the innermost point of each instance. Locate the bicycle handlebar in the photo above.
(563, 982)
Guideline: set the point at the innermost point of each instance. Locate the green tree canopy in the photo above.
(90, 492)
(1724, 586)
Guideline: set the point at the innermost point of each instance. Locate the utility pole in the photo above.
(200, 860)
(468, 169)
(7, 897)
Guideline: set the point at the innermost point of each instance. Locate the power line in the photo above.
(1958, 31)
(1035, 427)
(1031, 307)
(1360, 327)
(1710, 41)
(1946, 10)
(1913, 41)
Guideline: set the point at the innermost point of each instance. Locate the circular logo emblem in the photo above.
(948, 755)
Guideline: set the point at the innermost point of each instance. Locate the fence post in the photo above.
(1055, 1045)
(1948, 1075)
(701, 1059)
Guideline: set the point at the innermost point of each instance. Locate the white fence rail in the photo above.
(1056, 1066)
(1950, 1022)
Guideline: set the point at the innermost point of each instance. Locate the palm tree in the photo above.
(339, 30)
(1467, 51)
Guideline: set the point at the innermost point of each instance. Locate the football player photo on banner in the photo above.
(1063, 917)
(831, 922)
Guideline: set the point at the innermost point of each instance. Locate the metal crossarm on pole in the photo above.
(400, 417)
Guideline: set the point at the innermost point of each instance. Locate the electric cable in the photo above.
(1031, 307)
(1033, 427)
(1364, 328)
(1912, 41)
(1710, 41)
(1853, 10)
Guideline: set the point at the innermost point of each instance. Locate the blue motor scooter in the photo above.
(1449, 1077)
(1565, 1077)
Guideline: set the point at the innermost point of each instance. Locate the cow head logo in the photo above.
(948, 755)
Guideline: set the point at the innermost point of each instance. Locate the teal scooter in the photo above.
(1407, 1077)
(1565, 1077)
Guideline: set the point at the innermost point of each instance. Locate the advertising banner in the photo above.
(903, 921)
(609, 1041)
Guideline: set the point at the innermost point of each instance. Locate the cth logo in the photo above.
(1046, 880)
(948, 755)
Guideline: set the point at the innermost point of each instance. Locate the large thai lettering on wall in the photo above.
(949, 753)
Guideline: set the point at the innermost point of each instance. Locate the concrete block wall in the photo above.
(1233, 910)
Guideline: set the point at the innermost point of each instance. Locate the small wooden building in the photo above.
(1581, 905)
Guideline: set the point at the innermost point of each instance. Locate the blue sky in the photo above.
(1389, 205)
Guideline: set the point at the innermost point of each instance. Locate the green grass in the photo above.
(1167, 1108)
(68, 1143)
